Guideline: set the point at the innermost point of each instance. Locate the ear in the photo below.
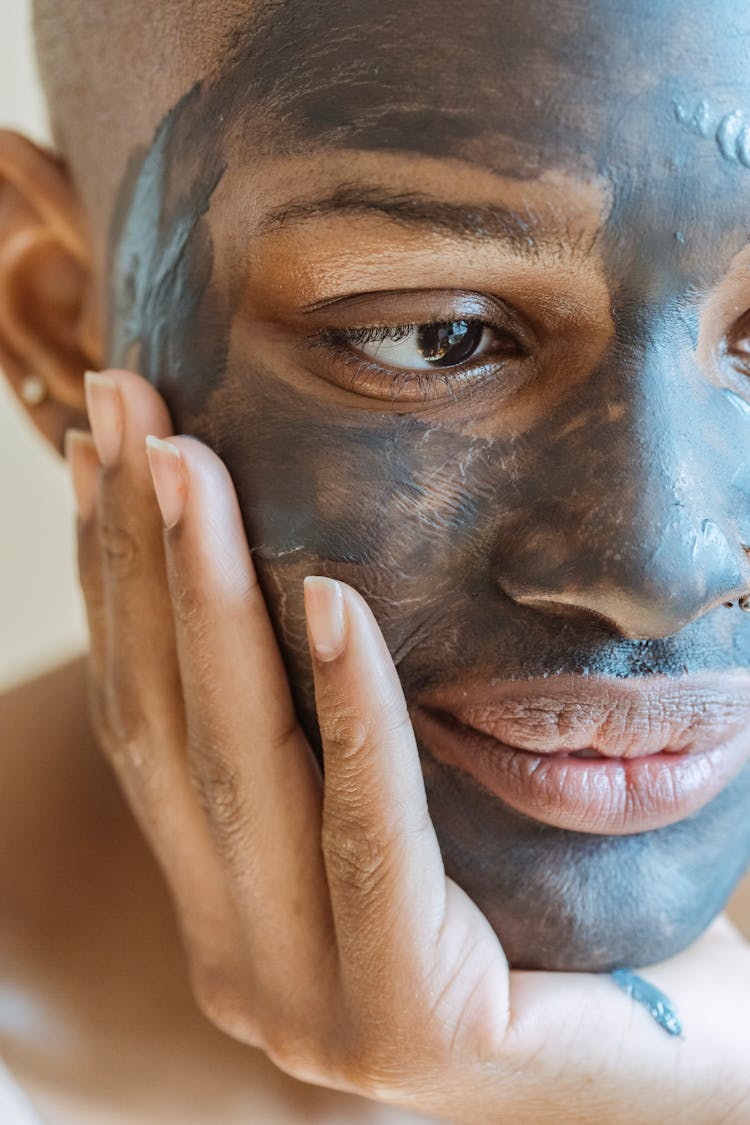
(49, 311)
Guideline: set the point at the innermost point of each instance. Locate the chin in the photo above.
(570, 937)
(562, 900)
(577, 902)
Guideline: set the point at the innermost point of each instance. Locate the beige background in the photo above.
(41, 617)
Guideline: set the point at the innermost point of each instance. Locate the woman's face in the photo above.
(460, 295)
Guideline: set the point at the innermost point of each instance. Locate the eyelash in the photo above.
(374, 335)
(364, 371)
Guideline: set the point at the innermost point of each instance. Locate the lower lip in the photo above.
(612, 796)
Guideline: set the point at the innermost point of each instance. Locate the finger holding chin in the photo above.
(415, 953)
(436, 1020)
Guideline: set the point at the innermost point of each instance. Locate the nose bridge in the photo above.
(632, 523)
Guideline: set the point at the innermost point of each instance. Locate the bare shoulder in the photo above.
(44, 728)
(29, 710)
(49, 765)
(90, 951)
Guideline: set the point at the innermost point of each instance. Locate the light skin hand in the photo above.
(317, 917)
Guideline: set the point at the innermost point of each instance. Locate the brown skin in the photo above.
(90, 947)
(581, 506)
(85, 891)
(55, 234)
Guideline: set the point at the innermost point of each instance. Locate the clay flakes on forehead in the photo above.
(427, 78)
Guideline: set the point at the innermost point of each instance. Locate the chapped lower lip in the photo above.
(608, 796)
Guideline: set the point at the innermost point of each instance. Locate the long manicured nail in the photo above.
(81, 455)
(326, 616)
(106, 415)
(169, 477)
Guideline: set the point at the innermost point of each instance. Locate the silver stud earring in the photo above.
(33, 390)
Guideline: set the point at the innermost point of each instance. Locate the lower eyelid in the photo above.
(343, 365)
(358, 373)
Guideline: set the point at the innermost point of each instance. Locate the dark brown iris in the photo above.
(449, 343)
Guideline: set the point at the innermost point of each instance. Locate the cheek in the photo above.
(399, 507)
(380, 492)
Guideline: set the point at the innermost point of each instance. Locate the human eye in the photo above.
(423, 347)
(424, 359)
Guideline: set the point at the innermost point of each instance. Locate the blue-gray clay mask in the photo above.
(575, 503)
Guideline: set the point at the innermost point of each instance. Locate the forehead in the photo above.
(437, 77)
(653, 98)
(653, 101)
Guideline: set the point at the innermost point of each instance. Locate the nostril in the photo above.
(626, 614)
(637, 581)
(573, 610)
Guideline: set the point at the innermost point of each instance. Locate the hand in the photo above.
(318, 919)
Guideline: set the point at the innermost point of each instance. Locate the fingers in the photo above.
(385, 871)
(259, 781)
(141, 677)
(192, 684)
(81, 455)
(135, 692)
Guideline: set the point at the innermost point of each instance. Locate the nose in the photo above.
(628, 517)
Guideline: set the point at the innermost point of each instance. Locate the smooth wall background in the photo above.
(41, 613)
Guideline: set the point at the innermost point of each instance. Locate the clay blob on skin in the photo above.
(581, 504)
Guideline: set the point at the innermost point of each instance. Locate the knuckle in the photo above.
(308, 1039)
(224, 1003)
(342, 727)
(127, 724)
(377, 1083)
(217, 784)
(125, 745)
(357, 856)
(120, 728)
(120, 549)
(188, 602)
(376, 1072)
(300, 1056)
(227, 1002)
(348, 731)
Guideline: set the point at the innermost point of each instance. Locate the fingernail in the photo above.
(105, 411)
(81, 455)
(326, 616)
(169, 477)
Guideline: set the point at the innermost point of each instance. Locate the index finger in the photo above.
(400, 923)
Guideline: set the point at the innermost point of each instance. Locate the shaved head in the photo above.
(111, 72)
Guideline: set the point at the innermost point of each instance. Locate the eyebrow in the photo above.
(411, 209)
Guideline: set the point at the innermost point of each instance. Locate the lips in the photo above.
(595, 755)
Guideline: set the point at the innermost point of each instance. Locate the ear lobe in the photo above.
(48, 307)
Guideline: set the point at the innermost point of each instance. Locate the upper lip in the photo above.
(631, 718)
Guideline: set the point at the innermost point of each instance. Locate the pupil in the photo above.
(449, 343)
